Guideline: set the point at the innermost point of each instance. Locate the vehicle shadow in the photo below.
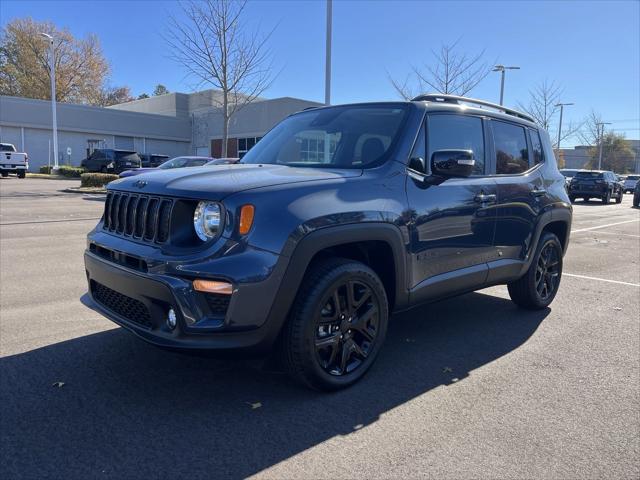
(128, 409)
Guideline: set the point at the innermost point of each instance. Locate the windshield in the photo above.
(589, 175)
(358, 136)
(6, 147)
(127, 156)
(180, 162)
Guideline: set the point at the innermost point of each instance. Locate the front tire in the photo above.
(619, 197)
(538, 287)
(606, 198)
(336, 326)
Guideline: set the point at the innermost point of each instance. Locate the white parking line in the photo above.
(601, 279)
(621, 234)
(604, 226)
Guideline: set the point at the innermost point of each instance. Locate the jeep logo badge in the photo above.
(140, 184)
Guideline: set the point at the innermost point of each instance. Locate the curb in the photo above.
(85, 190)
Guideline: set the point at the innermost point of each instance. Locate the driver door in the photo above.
(453, 220)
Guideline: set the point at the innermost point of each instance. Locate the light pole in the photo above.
(52, 66)
(600, 126)
(502, 69)
(327, 65)
(561, 105)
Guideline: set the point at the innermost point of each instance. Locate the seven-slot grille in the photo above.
(138, 216)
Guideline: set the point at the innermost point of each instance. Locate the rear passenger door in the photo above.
(516, 158)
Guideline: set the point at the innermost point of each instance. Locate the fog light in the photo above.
(171, 319)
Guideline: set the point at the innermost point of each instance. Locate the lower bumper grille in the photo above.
(218, 304)
(127, 307)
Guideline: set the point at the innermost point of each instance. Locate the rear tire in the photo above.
(22, 174)
(538, 287)
(103, 170)
(619, 197)
(5, 174)
(607, 198)
(332, 337)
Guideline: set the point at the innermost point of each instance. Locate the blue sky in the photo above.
(591, 48)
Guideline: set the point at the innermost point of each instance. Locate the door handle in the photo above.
(538, 192)
(484, 198)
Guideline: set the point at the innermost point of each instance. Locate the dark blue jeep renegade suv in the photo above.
(337, 218)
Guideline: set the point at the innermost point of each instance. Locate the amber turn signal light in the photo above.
(212, 286)
(246, 218)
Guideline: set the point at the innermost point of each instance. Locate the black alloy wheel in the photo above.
(547, 271)
(537, 288)
(347, 327)
(336, 326)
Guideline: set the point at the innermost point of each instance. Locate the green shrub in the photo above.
(96, 179)
(46, 169)
(68, 171)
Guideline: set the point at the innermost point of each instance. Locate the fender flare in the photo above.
(312, 243)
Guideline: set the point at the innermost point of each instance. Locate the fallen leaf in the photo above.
(254, 405)
(617, 309)
(58, 384)
(447, 370)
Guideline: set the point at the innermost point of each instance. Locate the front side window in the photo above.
(352, 136)
(512, 154)
(456, 132)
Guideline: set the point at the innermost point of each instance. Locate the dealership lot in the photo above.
(469, 387)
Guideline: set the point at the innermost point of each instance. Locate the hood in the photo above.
(136, 171)
(219, 181)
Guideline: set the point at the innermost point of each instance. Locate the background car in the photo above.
(177, 162)
(630, 183)
(152, 159)
(222, 161)
(636, 195)
(601, 184)
(569, 173)
(107, 160)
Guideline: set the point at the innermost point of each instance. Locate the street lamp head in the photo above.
(498, 68)
(563, 104)
(46, 35)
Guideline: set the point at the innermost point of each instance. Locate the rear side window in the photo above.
(457, 132)
(536, 146)
(512, 154)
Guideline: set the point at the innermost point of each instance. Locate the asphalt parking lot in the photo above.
(468, 387)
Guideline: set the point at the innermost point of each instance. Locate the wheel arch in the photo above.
(356, 241)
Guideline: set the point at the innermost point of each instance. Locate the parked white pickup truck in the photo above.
(13, 162)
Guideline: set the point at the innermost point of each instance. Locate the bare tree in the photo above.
(215, 49)
(589, 134)
(451, 72)
(543, 107)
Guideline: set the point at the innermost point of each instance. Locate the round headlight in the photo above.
(206, 220)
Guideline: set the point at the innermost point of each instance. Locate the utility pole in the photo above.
(502, 69)
(561, 105)
(600, 126)
(53, 100)
(327, 65)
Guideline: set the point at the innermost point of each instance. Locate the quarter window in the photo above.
(512, 154)
(536, 145)
(457, 132)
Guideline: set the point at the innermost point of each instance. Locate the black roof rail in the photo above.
(457, 100)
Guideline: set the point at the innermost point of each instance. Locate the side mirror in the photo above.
(418, 164)
(452, 163)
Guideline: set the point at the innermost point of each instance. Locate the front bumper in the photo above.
(140, 302)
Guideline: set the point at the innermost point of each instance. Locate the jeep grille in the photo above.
(138, 216)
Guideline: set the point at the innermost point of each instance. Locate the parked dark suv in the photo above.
(337, 218)
(111, 161)
(600, 184)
